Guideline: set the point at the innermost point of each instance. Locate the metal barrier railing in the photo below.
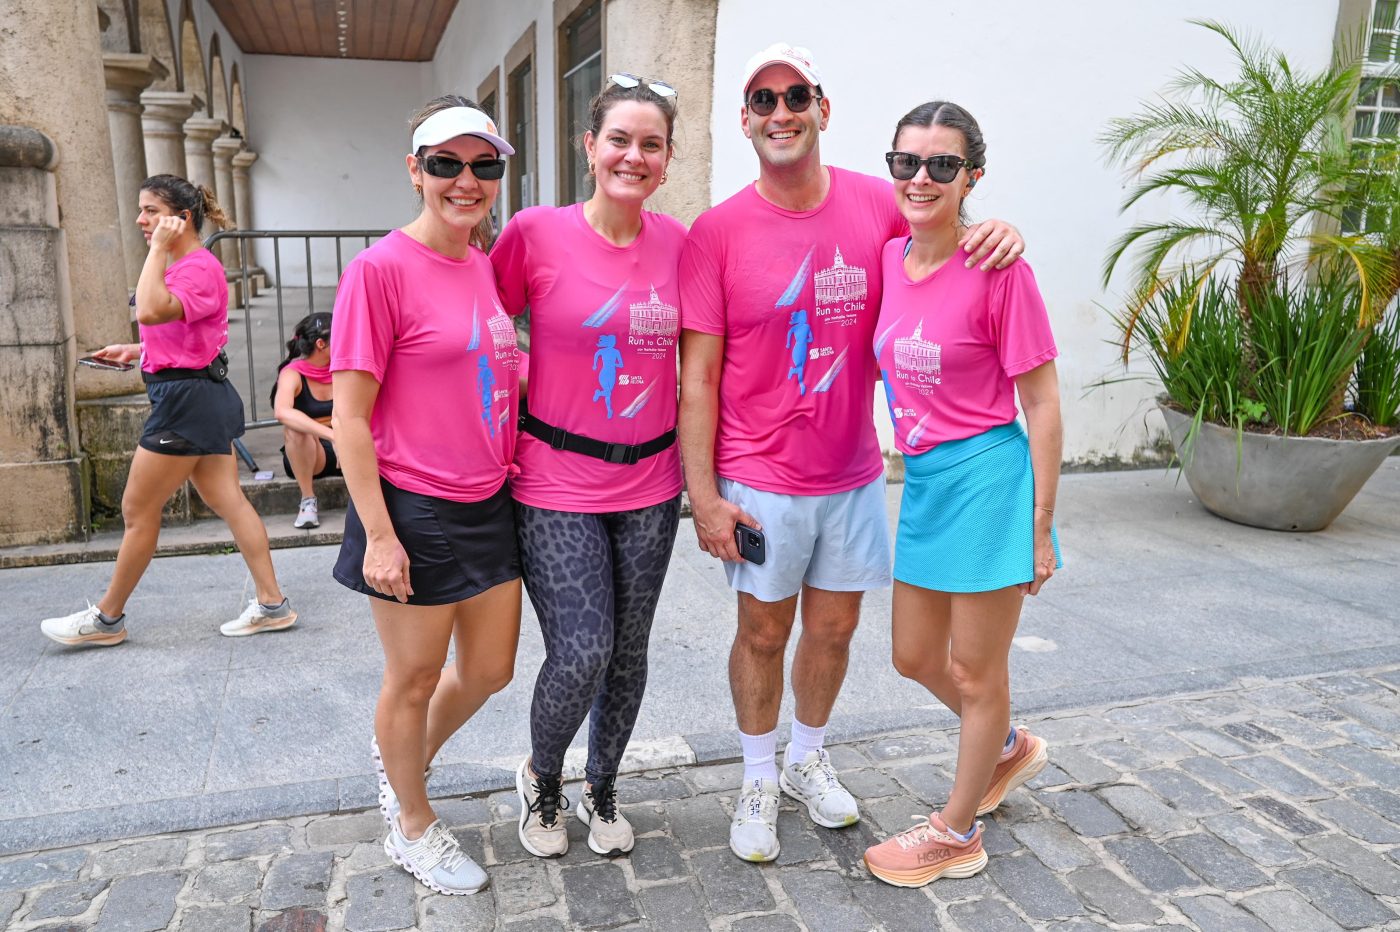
(247, 270)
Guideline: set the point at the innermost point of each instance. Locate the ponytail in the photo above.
(308, 330)
(180, 195)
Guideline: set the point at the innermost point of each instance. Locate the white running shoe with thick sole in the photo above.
(813, 783)
(256, 619)
(753, 835)
(436, 860)
(308, 514)
(542, 808)
(609, 832)
(84, 627)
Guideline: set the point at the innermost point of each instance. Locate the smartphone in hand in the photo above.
(753, 546)
(106, 364)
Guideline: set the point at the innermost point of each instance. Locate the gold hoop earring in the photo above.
(418, 190)
(590, 167)
(663, 177)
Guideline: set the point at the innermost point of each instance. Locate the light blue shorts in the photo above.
(967, 516)
(838, 542)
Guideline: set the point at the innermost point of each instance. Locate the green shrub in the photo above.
(1377, 394)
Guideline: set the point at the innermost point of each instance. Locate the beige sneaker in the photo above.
(542, 808)
(609, 832)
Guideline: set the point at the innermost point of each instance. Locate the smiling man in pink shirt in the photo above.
(780, 290)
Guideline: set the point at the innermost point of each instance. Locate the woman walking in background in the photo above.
(182, 315)
(976, 530)
(302, 401)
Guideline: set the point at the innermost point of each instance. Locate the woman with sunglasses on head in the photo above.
(597, 501)
(976, 522)
(429, 535)
(302, 401)
(182, 315)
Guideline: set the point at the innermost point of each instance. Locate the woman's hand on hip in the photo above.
(386, 567)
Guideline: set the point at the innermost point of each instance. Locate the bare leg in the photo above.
(819, 666)
(307, 457)
(922, 641)
(983, 625)
(486, 629)
(756, 661)
(215, 478)
(153, 478)
(415, 640)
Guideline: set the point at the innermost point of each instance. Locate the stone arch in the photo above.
(238, 107)
(119, 32)
(155, 38)
(193, 73)
(218, 87)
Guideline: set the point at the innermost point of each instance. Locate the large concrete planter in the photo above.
(1280, 483)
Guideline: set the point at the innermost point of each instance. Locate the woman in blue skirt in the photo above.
(976, 531)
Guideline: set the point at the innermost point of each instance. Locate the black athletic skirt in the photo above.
(455, 549)
(192, 417)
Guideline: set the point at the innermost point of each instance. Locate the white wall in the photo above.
(331, 135)
(1042, 80)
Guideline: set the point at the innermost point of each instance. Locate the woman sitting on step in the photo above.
(301, 400)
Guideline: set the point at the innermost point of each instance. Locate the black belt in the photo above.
(621, 453)
(216, 371)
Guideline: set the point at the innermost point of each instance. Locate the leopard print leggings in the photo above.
(594, 580)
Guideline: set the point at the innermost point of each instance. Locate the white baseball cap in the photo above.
(794, 56)
(459, 121)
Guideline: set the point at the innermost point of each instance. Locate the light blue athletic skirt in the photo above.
(967, 516)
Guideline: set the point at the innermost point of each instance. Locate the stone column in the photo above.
(200, 133)
(163, 125)
(127, 76)
(41, 468)
(225, 148)
(243, 205)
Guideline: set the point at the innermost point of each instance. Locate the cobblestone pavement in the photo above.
(1267, 806)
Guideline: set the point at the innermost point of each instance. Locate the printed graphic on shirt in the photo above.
(799, 337)
(653, 327)
(606, 361)
(503, 343)
(918, 363)
(841, 291)
(486, 386)
(475, 343)
(799, 282)
(607, 309)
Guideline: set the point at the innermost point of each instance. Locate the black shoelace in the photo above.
(604, 796)
(549, 799)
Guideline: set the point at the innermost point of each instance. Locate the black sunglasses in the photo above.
(798, 98)
(440, 166)
(941, 168)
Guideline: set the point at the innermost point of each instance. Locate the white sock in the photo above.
(759, 756)
(805, 740)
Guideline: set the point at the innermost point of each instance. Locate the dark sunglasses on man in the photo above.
(941, 168)
(798, 98)
(440, 166)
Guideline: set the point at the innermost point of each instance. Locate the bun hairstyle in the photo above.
(181, 195)
(484, 233)
(308, 330)
(944, 113)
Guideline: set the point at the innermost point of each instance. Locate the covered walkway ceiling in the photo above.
(390, 30)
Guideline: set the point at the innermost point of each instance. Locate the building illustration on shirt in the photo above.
(915, 354)
(502, 331)
(841, 282)
(653, 317)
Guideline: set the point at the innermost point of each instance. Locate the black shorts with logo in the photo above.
(192, 417)
(455, 549)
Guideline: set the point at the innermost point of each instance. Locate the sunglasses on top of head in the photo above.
(798, 98)
(941, 168)
(441, 166)
(628, 80)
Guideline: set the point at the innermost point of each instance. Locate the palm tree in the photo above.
(1258, 157)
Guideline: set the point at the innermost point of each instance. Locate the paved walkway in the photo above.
(1268, 806)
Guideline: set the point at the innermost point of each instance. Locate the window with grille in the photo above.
(580, 76)
(1378, 102)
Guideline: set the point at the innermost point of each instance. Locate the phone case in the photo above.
(753, 546)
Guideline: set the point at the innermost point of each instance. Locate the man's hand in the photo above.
(714, 527)
(996, 241)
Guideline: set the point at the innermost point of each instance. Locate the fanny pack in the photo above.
(625, 454)
(216, 371)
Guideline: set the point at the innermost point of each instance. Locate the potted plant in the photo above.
(1260, 316)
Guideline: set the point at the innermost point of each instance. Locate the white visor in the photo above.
(459, 121)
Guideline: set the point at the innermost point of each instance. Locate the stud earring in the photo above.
(663, 177)
(590, 167)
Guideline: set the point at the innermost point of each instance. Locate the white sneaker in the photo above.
(308, 514)
(542, 808)
(753, 835)
(84, 627)
(609, 832)
(388, 799)
(813, 783)
(436, 860)
(256, 619)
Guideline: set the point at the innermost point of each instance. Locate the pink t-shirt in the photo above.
(950, 345)
(197, 281)
(603, 326)
(795, 295)
(431, 332)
